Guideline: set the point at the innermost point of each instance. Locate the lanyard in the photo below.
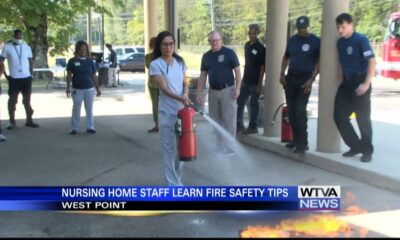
(19, 54)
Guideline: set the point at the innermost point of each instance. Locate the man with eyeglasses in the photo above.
(222, 67)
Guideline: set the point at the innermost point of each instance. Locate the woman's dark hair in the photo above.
(78, 46)
(152, 42)
(157, 46)
(344, 17)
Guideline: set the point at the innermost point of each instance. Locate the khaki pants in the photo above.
(223, 109)
(112, 79)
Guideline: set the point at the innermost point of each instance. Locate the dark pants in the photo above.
(297, 101)
(0, 114)
(346, 103)
(16, 86)
(154, 95)
(247, 91)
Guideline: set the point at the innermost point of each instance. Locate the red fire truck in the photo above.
(390, 67)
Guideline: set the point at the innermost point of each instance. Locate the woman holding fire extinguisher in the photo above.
(168, 70)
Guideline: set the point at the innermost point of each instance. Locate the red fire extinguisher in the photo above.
(186, 134)
(286, 128)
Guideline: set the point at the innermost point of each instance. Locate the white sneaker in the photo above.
(2, 138)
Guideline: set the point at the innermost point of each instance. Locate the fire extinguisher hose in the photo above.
(276, 113)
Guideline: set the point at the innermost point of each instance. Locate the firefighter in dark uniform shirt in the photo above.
(357, 62)
(253, 76)
(302, 56)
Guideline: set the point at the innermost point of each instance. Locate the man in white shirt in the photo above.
(20, 66)
(2, 137)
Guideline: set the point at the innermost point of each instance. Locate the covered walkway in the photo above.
(123, 153)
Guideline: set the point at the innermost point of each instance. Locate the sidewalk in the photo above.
(52, 105)
(383, 171)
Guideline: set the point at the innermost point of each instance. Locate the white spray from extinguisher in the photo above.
(230, 140)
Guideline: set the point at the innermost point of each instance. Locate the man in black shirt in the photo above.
(112, 82)
(253, 76)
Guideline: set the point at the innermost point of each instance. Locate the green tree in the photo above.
(116, 24)
(35, 18)
(370, 18)
(135, 27)
(310, 8)
(194, 22)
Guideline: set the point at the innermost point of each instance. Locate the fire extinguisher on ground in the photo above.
(286, 128)
(186, 134)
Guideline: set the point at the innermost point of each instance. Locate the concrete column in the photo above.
(89, 29)
(328, 138)
(150, 21)
(150, 30)
(171, 17)
(277, 18)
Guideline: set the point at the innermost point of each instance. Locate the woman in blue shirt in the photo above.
(168, 70)
(81, 71)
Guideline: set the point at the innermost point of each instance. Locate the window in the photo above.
(118, 51)
(129, 50)
(394, 27)
(137, 56)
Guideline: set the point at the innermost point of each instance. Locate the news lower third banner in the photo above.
(145, 198)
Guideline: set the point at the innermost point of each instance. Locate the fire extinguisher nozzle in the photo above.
(197, 109)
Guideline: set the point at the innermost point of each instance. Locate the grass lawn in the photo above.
(193, 60)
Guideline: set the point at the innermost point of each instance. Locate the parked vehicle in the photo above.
(390, 66)
(123, 50)
(131, 62)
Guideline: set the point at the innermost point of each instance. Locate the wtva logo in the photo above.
(318, 191)
(319, 197)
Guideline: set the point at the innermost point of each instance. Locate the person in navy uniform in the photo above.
(253, 76)
(81, 72)
(222, 68)
(357, 61)
(302, 56)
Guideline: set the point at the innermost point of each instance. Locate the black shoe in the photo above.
(73, 132)
(299, 151)
(11, 126)
(366, 158)
(251, 131)
(290, 145)
(240, 129)
(307, 148)
(351, 153)
(31, 124)
(92, 131)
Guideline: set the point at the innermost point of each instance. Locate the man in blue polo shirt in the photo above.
(357, 62)
(302, 56)
(222, 66)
